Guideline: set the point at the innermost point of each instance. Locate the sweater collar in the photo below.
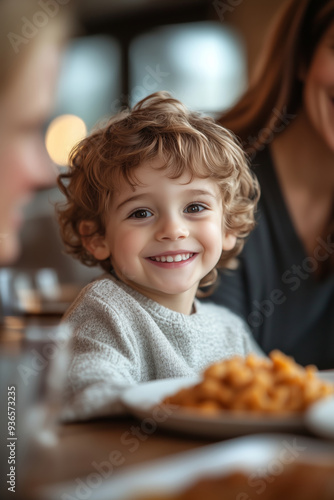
(149, 304)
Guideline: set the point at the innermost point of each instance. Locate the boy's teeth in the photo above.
(173, 258)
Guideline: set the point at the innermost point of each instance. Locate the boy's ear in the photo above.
(229, 241)
(94, 242)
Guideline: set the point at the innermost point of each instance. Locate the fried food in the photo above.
(273, 385)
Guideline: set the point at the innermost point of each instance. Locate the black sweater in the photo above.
(275, 288)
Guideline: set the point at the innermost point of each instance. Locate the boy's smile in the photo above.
(164, 235)
(167, 260)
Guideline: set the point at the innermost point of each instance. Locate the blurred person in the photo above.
(151, 199)
(284, 283)
(32, 35)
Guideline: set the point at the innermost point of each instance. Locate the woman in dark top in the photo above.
(284, 283)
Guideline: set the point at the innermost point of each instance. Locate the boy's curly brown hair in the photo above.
(158, 126)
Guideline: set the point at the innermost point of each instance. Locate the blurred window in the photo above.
(90, 78)
(202, 64)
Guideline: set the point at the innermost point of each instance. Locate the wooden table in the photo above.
(108, 445)
(81, 448)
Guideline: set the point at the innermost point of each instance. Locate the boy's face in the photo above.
(165, 235)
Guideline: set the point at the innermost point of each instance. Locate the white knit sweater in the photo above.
(122, 338)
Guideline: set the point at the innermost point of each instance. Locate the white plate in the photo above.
(327, 375)
(261, 455)
(320, 418)
(140, 399)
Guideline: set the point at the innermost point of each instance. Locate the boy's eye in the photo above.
(141, 214)
(194, 208)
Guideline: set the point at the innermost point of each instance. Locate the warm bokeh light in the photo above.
(62, 134)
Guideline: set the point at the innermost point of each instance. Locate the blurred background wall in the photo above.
(201, 51)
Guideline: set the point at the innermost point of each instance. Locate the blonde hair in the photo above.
(275, 90)
(158, 126)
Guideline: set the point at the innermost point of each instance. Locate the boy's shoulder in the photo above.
(105, 283)
(225, 315)
(102, 289)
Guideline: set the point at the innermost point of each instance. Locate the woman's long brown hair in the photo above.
(275, 89)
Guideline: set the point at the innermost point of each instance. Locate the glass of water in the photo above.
(33, 373)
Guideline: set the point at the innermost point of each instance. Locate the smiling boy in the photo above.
(159, 198)
(163, 235)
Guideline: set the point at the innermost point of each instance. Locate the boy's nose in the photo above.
(172, 229)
